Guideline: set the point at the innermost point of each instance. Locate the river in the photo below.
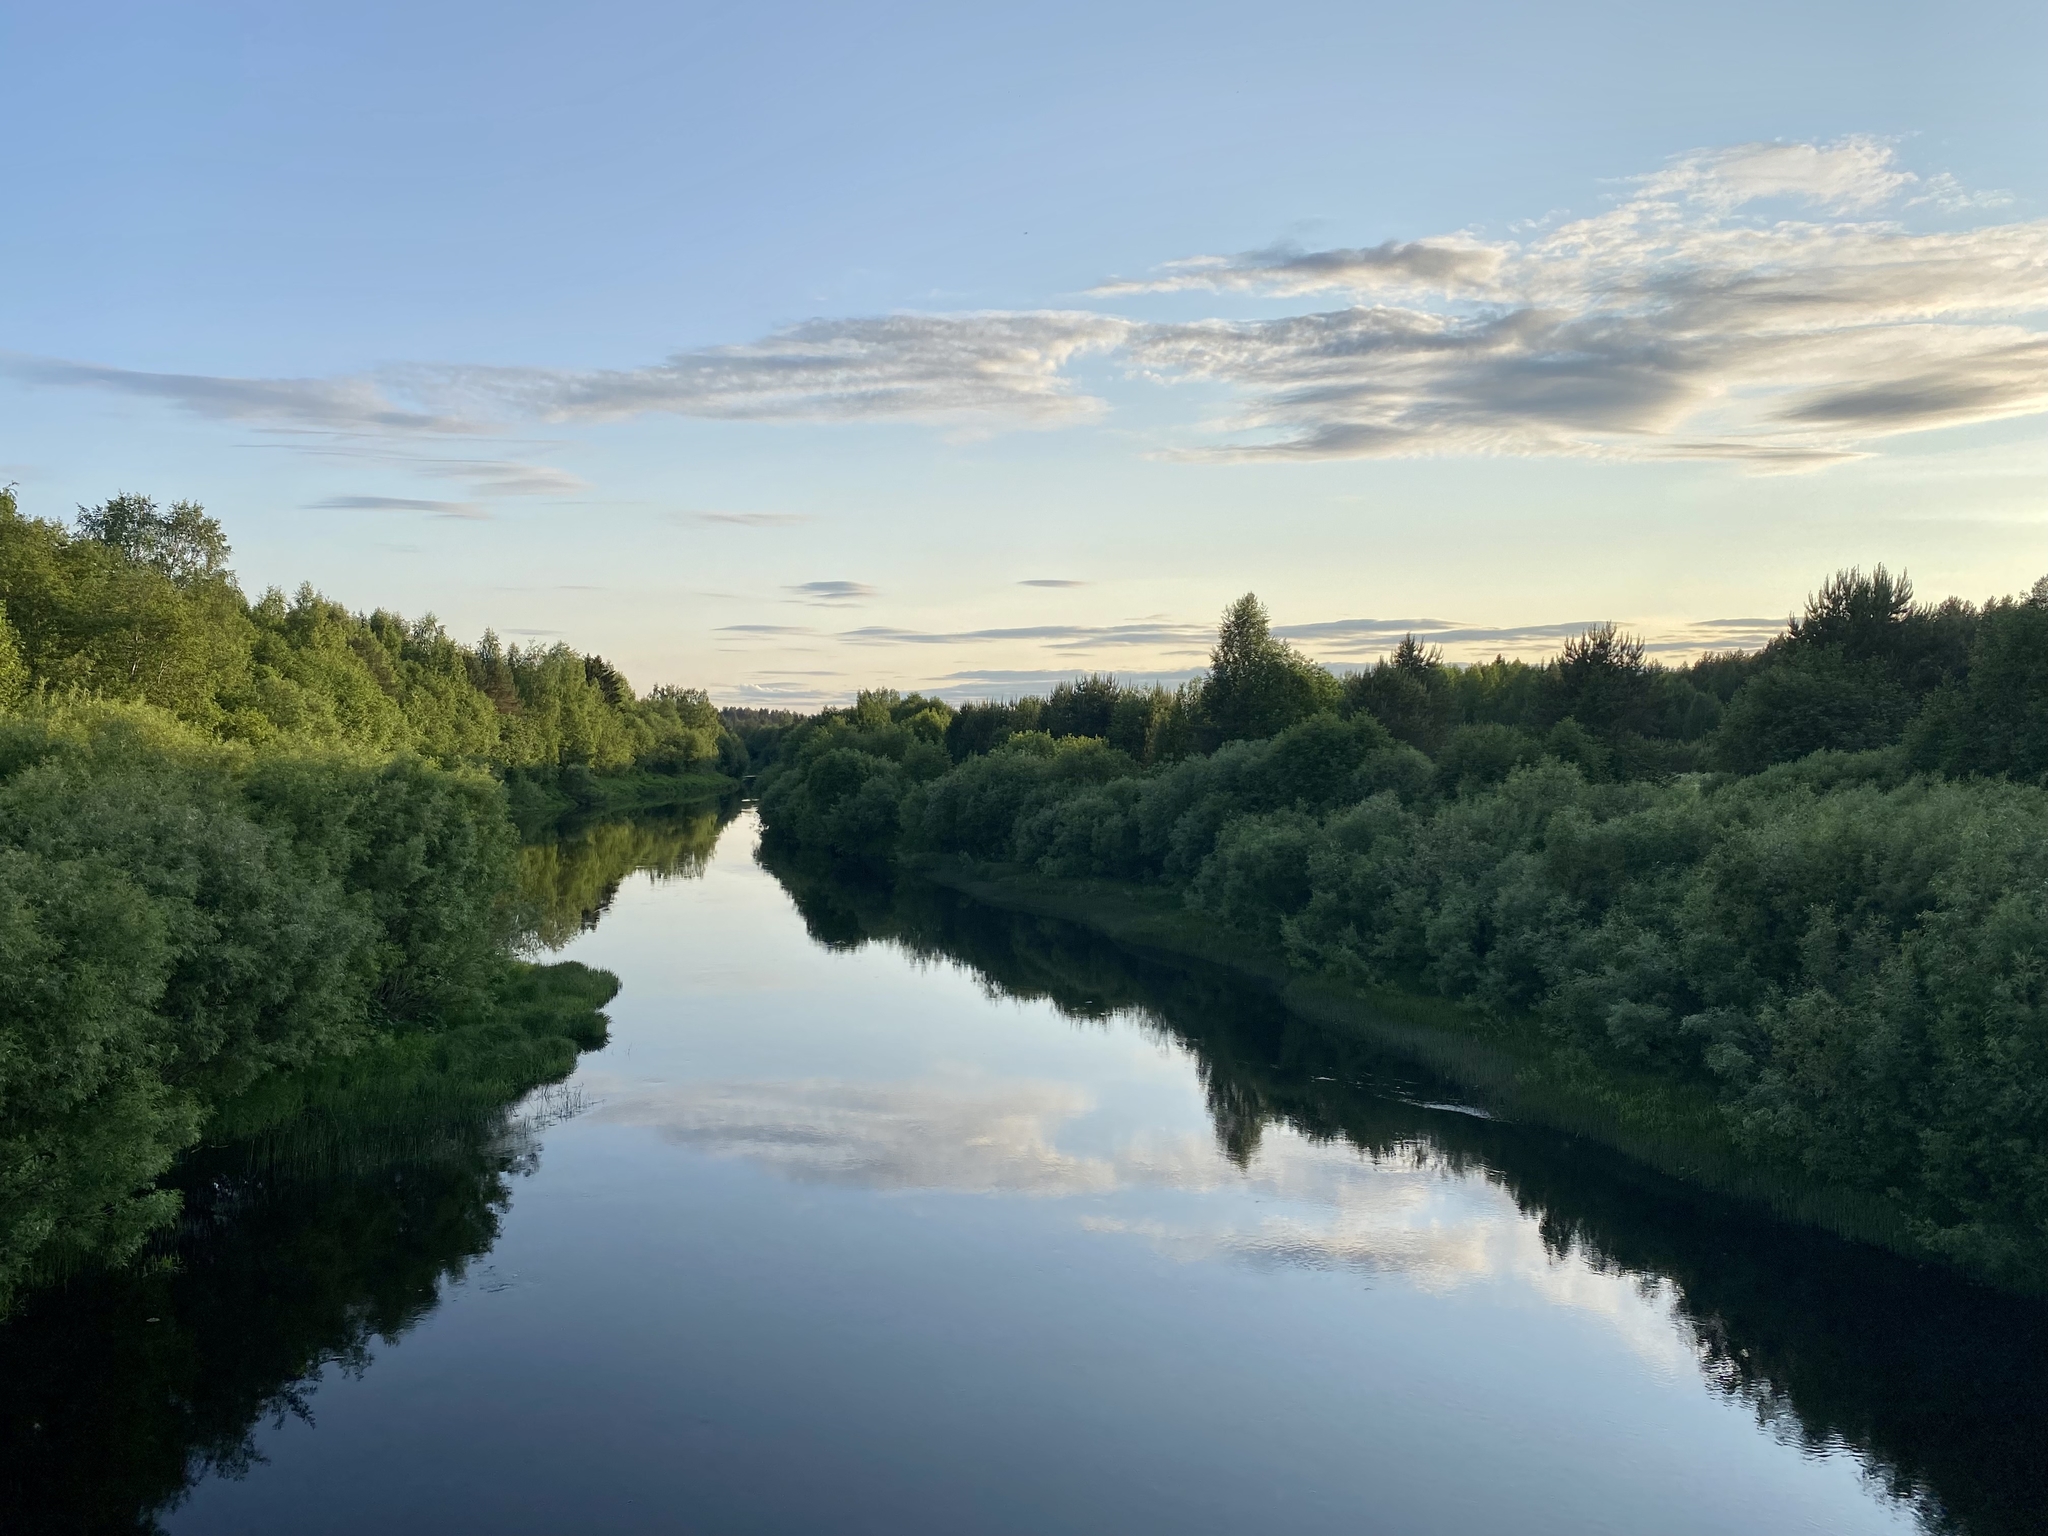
(885, 1212)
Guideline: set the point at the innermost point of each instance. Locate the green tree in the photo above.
(184, 543)
(13, 669)
(1601, 680)
(1259, 685)
(1408, 692)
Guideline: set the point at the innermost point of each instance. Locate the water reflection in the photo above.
(124, 1389)
(1936, 1386)
(300, 1259)
(298, 1251)
(569, 882)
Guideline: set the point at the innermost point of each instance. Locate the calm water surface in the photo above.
(885, 1213)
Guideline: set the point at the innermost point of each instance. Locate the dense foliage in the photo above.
(241, 842)
(139, 605)
(1812, 881)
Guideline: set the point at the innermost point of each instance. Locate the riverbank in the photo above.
(547, 801)
(1507, 1066)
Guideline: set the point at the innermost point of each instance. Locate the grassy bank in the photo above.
(547, 801)
(405, 1096)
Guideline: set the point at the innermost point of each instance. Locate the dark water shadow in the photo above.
(297, 1251)
(1939, 1387)
(123, 1389)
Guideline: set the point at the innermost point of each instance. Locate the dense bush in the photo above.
(139, 605)
(1844, 940)
(241, 843)
(181, 918)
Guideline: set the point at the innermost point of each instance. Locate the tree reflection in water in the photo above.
(569, 882)
(298, 1249)
(1936, 1385)
(299, 1253)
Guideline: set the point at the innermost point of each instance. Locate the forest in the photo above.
(1801, 891)
(254, 850)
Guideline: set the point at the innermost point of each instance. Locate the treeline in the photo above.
(241, 841)
(137, 604)
(1963, 688)
(1809, 882)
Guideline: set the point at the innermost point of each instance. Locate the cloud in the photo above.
(1763, 304)
(832, 593)
(968, 1138)
(752, 519)
(1674, 325)
(504, 477)
(1850, 174)
(1058, 636)
(1681, 323)
(1006, 365)
(460, 509)
(1453, 264)
(917, 367)
(488, 476)
(1343, 644)
(1355, 641)
(1302, 1203)
(348, 403)
(983, 683)
(1051, 582)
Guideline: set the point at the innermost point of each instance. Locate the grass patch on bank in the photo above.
(410, 1093)
(545, 799)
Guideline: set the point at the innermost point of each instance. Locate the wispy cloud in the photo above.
(751, 519)
(1010, 683)
(460, 509)
(348, 403)
(832, 593)
(1678, 324)
(917, 367)
(1056, 636)
(1352, 642)
(1764, 303)
(488, 477)
(1453, 264)
(1051, 582)
(504, 477)
(1184, 646)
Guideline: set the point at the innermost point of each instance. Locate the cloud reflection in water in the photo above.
(1298, 1203)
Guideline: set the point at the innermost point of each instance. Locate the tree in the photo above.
(1862, 614)
(1084, 707)
(1408, 692)
(1258, 686)
(1601, 680)
(1807, 701)
(13, 670)
(184, 543)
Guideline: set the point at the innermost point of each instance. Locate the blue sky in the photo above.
(782, 349)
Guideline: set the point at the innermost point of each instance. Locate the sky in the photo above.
(784, 350)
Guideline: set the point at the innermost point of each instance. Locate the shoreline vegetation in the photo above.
(309, 1241)
(1776, 921)
(1930, 1380)
(1670, 1127)
(1773, 922)
(261, 868)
